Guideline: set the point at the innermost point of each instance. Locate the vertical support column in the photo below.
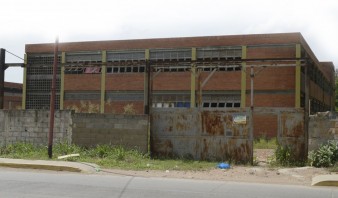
(297, 77)
(103, 80)
(146, 82)
(306, 108)
(24, 85)
(193, 78)
(243, 78)
(62, 83)
(2, 77)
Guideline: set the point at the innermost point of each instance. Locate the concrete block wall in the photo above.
(130, 131)
(32, 126)
(2, 127)
(322, 127)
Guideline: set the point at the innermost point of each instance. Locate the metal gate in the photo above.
(203, 134)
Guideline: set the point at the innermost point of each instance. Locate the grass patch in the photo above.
(106, 156)
(264, 143)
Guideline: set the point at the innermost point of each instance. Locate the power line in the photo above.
(14, 55)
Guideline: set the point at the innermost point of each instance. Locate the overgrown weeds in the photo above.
(107, 156)
(265, 143)
(285, 157)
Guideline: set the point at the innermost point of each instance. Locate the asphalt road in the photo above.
(16, 183)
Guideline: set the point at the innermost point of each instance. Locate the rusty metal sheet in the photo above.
(292, 124)
(292, 132)
(201, 134)
(179, 122)
(225, 149)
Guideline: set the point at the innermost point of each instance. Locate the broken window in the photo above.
(92, 70)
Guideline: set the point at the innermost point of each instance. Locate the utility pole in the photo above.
(252, 75)
(52, 101)
(2, 77)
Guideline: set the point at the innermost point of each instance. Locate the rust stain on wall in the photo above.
(180, 126)
(238, 151)
(292, 125)
(201, 134)
(204, 153)
(163, 147)
(212, 123)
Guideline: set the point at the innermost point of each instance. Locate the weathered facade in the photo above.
(210, 73)
(12, 95)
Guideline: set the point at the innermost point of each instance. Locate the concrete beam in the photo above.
(208, 78)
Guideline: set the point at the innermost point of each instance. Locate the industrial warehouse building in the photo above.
(12, 95)
(214, 72)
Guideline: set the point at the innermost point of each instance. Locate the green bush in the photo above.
(325, 156)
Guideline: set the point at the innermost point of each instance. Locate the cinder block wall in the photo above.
(2, 127)
(32, 126)
(130, 131)
(322, 127)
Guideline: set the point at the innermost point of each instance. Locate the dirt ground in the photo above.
(258, 174)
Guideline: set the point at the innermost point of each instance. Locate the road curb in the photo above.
(325, 180)
(42, 167)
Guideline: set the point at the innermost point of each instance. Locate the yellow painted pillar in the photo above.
(24, 85)
(297, 77)
(103, 80)
(193, 79)
(243, 78)
(62, 83)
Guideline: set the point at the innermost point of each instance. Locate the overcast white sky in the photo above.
(39, 21)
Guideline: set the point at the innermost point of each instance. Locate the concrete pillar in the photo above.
(298, 77)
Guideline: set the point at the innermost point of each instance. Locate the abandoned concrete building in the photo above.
(12, 95)
(213, 72)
